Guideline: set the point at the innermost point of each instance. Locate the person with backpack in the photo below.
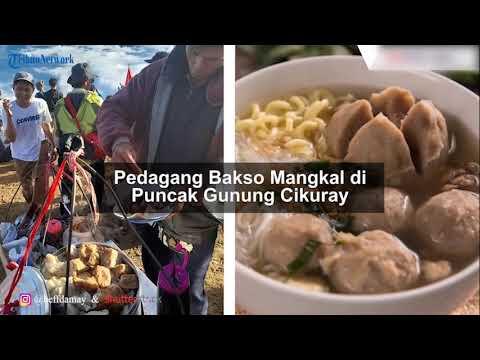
(75, 117)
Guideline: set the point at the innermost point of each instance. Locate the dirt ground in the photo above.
(113, 229)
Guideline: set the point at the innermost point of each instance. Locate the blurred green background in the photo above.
(253, 57)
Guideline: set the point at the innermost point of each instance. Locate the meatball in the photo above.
(398, 211)
(448, 224)
(372, 263)
(394, 102)
(344, 124)
(380, 141)
(284, 236)
(435, 270)
(425, 131)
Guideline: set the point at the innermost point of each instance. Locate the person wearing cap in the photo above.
(86, 103)
(172, 112)
(28, 125)
(52, 95)
(40, 89)
(158, 56)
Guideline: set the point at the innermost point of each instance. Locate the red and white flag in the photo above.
(129, 76)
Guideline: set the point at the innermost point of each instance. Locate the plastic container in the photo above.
(31, 292)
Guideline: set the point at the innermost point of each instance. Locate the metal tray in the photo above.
(131, 308)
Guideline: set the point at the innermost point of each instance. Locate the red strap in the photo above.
(73, 113)
(10, 309)
(36, 226)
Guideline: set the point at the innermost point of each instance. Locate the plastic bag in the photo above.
(8, 233)
(16, 249)
(82, 231)
(22, 242)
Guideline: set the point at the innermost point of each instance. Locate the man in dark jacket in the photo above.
(52, 95)
(158, 56)
(40, 90)
(172, 113)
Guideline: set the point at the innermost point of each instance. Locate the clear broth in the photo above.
(421, 189)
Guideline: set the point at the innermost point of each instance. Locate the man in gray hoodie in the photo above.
(171, 112)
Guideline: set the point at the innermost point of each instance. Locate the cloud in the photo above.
(109, 62)
(6, 88)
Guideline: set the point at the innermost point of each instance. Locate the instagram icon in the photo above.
(25, 300)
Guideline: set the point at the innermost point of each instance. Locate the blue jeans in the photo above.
(199, 261)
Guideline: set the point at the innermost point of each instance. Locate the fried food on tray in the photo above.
(93, 260)
(60, 269)
(109, 257)
(56, 285)
(103, 276)
(87, 249)
(120, 269)
(110, 298)
(50, 265)
(86, 281)
(128, 282)
(97, 270)
(54, 268)
(78, 265)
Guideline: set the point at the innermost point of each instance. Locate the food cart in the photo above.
(101, 277)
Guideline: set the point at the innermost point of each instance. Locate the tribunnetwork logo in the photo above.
(17, 60)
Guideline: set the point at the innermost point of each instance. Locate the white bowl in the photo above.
(258, 294)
